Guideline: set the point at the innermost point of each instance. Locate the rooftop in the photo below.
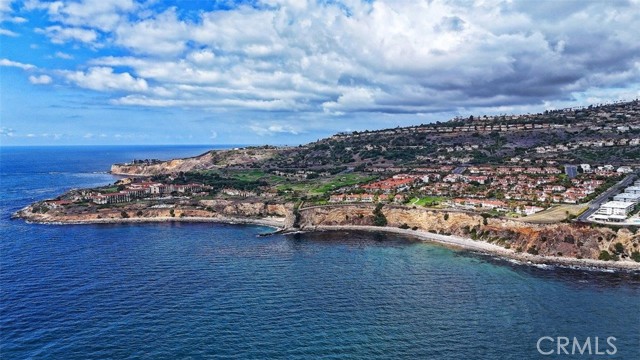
(617, 204)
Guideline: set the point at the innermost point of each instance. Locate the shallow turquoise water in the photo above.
(204, 290)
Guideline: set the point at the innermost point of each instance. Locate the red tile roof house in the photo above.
(390, 184)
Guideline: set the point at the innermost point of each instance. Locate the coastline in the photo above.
(489, 249)
(457, 242)
(275, 223)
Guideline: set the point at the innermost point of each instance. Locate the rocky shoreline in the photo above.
(491, 249)
(276, 223)
(281, 225)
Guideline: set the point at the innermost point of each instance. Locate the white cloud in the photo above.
(8, 132)
(274, 128)
(40, 79)
(61, 35)
(104, 79)
(10, 63)
(62, 55)
(6, 32)
(162, 35)
(103, 15)
(350, 56)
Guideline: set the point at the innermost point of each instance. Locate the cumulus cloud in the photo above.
(104, 79)
(351, 56)
(40, 79)
(61, 35)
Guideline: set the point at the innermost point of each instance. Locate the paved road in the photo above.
(571, 171)
(604, 197)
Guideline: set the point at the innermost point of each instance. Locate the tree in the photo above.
(378, 217)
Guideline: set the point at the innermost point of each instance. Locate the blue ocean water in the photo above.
(181, 290)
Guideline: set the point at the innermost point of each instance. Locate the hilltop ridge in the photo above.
(608, 133)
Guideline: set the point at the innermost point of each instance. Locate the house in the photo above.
(624, 170)
(112, 198)
(530, 210)
(54, 204)
(239, 193)
(586, 168)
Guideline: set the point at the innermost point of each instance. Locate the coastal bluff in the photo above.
(213, 159)
(563, 239)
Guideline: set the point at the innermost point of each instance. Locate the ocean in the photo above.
(190, 291)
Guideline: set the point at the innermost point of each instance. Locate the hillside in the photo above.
(602, 134)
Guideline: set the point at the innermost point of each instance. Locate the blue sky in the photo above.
(292, 71)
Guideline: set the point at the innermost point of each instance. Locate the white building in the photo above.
(585, 168)
(627, 197)
(614, 211)
(632, 190)
(625, 170)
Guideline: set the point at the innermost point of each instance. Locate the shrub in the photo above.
(139, 213)
(635, 256)
(172, 213)
(532, 250)
(404, 226)
(416, 228)
(124, 214)
(446, 216)
(619, 248)
(604, 255)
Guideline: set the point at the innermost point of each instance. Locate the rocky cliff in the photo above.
(564, 239)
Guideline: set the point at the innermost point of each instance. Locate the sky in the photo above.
(91, 72)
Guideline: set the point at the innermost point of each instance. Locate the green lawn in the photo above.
(320, 186)
(250, 175)
(112, 189)
(342, 181)
(427, 200)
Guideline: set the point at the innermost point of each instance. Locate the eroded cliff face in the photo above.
(250, 209)
(570, 240)
(203, 209)
(209, 160)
